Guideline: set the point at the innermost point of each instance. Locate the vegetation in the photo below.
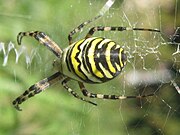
(55, 111)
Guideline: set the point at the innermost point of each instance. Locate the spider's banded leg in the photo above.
(80, 27)
(64, 83)
(102, 96)
(43, 39)
(103, 10)
(37, 88)
(101, 28)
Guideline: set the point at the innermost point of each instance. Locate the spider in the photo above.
(90, 60)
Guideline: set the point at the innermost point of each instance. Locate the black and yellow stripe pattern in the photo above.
(93, 60)
(90, 60)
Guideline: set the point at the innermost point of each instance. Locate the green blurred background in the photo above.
(55, 111)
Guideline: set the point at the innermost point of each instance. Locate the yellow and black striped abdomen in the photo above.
(93, 60)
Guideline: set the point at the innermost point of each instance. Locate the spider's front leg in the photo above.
(37, 88)
(43, 39)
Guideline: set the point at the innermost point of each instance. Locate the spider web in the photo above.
(152, 67)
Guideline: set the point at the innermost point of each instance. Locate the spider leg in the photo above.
(100, 28)
(103, 10)
(43, 39)
(80, 27)
(102, 96)
(64, 83)
(36, 89)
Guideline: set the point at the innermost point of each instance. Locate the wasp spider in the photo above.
(90, 60)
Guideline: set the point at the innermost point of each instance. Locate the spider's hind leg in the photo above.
(64, 83)
(103, 96)
(118, 28)
(80, 27)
